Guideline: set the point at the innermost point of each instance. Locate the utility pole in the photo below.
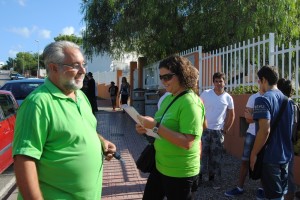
(38, 70)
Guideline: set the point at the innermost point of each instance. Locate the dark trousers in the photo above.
(124, 99)
(158, 186)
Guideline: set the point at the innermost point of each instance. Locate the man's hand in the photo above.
(253, 158)
(109, 148)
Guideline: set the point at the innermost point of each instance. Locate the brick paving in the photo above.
(121, 180)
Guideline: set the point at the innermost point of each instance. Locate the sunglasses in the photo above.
(166, 77)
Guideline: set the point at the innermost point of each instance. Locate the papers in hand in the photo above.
(133, 114)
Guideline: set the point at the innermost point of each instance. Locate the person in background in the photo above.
(285, 86)
(113, 91)
(219, 110)
(91, 92)
(248, 144)
(85, 85)
(57, 151)
(161, 99)
(279, 150)
(177, 151)
(124, 92)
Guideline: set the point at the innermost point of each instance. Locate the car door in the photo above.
(8, 109)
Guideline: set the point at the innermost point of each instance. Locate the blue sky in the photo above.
(23, 22)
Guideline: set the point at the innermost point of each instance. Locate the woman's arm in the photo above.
(182, 140)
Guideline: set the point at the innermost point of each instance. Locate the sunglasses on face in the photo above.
(166, 77)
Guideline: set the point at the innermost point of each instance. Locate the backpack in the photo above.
(113, 90)
(296, 125)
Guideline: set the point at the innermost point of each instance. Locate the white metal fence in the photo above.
(240, 62)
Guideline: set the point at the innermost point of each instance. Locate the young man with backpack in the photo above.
(278, 151)
(113, 91)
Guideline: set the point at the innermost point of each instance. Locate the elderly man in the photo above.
(57, 151)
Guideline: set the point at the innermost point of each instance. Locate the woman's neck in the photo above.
(179, 91)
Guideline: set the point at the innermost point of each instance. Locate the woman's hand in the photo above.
(140, 129)
(146, 121)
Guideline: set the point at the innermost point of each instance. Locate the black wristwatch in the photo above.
(155, 128)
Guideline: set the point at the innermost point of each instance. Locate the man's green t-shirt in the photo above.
(60, 134)
(186, 115)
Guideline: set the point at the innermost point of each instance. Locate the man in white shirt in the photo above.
(219, 109)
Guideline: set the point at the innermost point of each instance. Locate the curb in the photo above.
(5, 190)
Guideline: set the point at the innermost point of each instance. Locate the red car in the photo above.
(8, 109)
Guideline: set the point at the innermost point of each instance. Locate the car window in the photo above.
(21, 90)
(7, 106)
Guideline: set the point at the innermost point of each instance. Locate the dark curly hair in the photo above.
(187, 74)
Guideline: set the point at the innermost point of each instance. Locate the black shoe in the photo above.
(211, 177)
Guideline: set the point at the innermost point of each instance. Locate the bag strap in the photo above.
(151, 139)
(181, 94)
(278, 117)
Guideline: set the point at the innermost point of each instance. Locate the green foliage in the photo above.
(26, 61)
(156, 29)
(245, 90)
(71, 38)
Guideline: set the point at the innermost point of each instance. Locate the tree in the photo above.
(156, 29)
(71, 38)
(25, 61)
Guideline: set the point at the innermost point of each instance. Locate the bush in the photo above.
(245, 90)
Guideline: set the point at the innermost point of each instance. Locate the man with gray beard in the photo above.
(57, 151)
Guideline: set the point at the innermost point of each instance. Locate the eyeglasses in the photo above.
(166, 77)
(76, 66)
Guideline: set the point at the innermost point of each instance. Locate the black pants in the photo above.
(158, 186)
(124, 99)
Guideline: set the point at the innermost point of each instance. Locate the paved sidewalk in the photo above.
(121, 180)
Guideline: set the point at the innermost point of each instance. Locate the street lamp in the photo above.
(23, 64)
(38, 71)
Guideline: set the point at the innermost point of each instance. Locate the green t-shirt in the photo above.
(186, 116)
(61, 135)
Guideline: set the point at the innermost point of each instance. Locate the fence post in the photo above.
(271, 48)
(200, 69)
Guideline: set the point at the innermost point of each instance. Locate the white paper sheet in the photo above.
(131, 111)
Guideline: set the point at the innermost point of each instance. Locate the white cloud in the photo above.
(69, 30)
(45, 34)
(25, 32)
(21, 2)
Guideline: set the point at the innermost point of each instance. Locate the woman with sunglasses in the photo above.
(180, 129)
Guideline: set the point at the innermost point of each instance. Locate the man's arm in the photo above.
(27, 177)
(229, 120)
(260, 140)
(205, 123)
(249, 115)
